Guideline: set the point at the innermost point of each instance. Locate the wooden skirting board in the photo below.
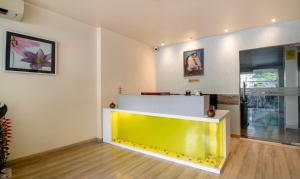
(78, 144)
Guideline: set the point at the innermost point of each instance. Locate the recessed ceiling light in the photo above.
(162, 44)
(226, 30)
(273, 20)
(190, 38)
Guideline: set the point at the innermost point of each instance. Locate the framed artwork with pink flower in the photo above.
(24, 53)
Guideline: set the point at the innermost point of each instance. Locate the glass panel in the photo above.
(195, 141)
(264, 119)
(263, 78)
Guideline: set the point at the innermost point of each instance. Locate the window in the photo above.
(265, 78)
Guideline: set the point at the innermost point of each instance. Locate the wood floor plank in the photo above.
(265, 164)
(188, 173)
(134, 170)
(249, 165)
(97, 167)
(64, 160)
(280, 166)
(155, 170)
(173, 171)
(248, 159)
(55, 155)
(293, 162)
(78, 165)
(235, 160)
(122, 171)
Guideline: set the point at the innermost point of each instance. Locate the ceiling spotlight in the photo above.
(162, 44)
(226, 30)
(273, 20)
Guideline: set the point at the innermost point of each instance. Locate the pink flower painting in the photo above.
(29, 54)
(37, 60)
(19, 45)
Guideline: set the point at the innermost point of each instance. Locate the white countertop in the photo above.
(220, 114)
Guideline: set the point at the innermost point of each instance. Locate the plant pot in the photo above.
(6, 173)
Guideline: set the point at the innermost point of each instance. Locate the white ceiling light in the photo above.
(226, 30)
(273, 20)
(162, 44)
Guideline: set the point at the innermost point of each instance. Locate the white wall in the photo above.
(125, 63)
(221, 63)
(52, 111)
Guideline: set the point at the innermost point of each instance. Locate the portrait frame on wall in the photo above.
(193, 62)
(28, 54)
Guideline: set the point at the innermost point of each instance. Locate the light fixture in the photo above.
(190, 38)
(162, 44)
(226, 30)
(273, 20)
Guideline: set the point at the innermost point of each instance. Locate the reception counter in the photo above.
(193, 140)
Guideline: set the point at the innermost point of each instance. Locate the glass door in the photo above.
(262, 114)
(270, 100)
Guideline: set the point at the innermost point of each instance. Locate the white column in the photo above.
(291, 80)
(99, 104)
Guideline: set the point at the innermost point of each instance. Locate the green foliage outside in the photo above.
(262, 79)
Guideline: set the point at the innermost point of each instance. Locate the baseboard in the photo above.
(29, 157)
(100, 140)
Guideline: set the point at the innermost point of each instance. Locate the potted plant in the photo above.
(5, 135)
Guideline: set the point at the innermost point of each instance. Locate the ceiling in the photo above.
(173, 21)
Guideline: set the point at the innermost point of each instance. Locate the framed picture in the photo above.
(29, 54)
(193, 62)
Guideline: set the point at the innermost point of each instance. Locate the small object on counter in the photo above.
(211, 112)
(198, 93)
(112, 105)
(120, 90)
(188, 93)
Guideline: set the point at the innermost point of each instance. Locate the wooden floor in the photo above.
(248, 159)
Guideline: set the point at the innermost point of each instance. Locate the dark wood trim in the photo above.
(29, 157)
(233, 99)
(235, 136)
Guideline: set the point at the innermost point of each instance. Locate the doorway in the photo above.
(270, 100)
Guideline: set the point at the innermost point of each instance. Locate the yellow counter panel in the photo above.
(200, 142)
(195, 141)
